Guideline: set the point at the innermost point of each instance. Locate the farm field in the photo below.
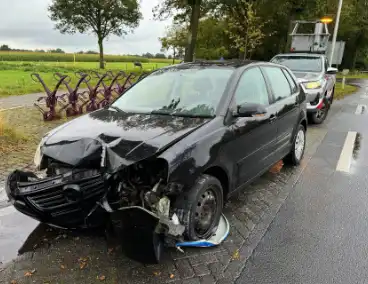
(15, 76)
(71, 57)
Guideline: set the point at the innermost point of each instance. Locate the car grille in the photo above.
(54, 200)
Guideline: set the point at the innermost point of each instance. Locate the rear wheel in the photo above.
(200, 209)
(297, 151)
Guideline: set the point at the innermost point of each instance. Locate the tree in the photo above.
(245, 28)
(147, 55)
(58, 50)
(160, 55)
(212, 40)
(5, 47)
(184, 11)
(101, 17)
(174, 39)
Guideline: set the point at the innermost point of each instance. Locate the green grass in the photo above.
(10, 138)
(15, 77)
(354, 75)
(341, 93)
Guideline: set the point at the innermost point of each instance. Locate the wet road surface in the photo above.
(320, 234)
(15, 228)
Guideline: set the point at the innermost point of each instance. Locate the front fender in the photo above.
(192, 156)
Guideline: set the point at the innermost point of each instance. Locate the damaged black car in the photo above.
(172, 148)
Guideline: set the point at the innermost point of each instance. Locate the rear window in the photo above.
(300, 63)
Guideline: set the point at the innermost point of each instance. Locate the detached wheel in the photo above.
(200, 209)
(297, 151)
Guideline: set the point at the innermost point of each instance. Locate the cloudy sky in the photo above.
(26, 25)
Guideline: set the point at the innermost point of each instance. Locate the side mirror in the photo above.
(249, 110)
(331, 70)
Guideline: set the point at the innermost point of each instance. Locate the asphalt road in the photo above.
(320, 234)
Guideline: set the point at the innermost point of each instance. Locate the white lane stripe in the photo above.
(360, 109)
(343, 165)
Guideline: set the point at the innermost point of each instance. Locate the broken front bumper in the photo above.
(66, 201)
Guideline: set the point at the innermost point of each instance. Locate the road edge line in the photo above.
(344, 162)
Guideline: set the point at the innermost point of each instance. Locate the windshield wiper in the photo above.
(183, 114)
(116, 108)
(162, 112)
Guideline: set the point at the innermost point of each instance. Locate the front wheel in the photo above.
(320, 115)
(297, 151)
(200, 208)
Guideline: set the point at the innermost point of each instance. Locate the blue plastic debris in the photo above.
(221, 234)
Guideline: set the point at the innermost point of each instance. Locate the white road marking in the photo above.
(343, 165)
(360, 109)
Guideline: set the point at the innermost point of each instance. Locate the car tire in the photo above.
(320, 116)
(297, 151)
(200, 208)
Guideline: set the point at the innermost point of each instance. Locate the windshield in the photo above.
(177, 91)
(300, 63)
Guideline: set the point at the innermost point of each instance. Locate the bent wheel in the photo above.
(200, 208)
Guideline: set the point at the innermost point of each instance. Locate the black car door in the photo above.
(254, 138)
(285, 93)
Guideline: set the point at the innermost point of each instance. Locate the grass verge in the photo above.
(10, 137)
(15, 77)
(340, 93)
(22, 130)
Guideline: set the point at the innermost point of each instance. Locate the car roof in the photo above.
(300, 54)
(233, 64)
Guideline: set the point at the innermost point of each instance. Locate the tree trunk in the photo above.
(100, 45)
(174, 55)
(193, 30)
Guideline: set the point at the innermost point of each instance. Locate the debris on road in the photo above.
(29, 273)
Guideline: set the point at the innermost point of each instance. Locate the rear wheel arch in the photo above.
(304, 123)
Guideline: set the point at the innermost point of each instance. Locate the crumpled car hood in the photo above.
(115, 138)
(307, 76)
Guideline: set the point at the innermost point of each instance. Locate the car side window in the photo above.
(252, 88)
(294, 87)
(279, 83)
